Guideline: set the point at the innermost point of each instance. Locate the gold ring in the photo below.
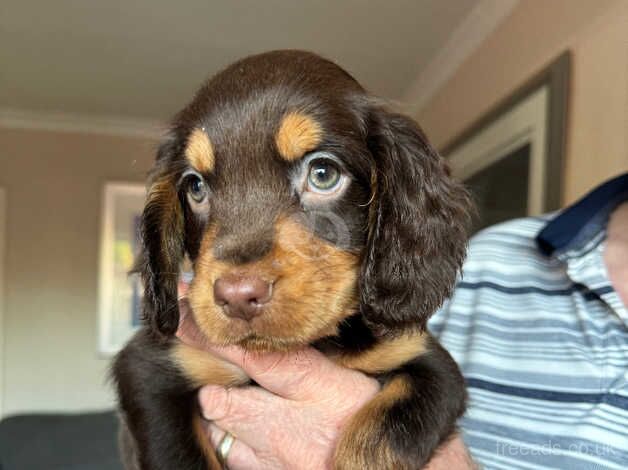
(224, 447)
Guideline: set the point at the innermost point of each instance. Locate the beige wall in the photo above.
(54, 184)
(596, 31)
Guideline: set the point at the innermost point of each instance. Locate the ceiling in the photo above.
(144, 58)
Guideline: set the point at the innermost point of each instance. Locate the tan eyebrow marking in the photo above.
(199, 151)
(297, 135)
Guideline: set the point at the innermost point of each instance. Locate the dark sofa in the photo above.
(54, 442)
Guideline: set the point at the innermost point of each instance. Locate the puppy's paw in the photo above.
(375, 439)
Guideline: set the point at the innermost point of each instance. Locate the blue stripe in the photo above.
(513, 259)
(575, 288)
(570, 337)
(457, 346)
(600, 291)
(613, 416)
(551, 379)
(611, 399)
(580, 325)
(543, 280)
(559, 418)
(540, 450)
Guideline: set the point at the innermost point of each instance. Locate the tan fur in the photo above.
(205, 444)
(200, 152)
(362, 444)
(162, 193)
(297, 135)
(314, 289)
(386, 355)
(373, 205)
(202, 368)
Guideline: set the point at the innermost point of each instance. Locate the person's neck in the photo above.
(616, 252)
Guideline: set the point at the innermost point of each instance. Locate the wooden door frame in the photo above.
(556, 77)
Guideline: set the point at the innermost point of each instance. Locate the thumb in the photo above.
(243, 411)
(293, 375)
(216, 402)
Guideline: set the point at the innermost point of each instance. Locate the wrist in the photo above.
(452, 454)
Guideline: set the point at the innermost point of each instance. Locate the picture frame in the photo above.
(3, 227)
(512, 158)
(120, 293)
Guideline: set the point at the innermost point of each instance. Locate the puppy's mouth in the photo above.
(287, 320)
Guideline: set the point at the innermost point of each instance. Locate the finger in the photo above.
(298, 375)
(285, 374)
(293, 375)
(182, 288)
(240, 456)
(188, 331)
(243, 411)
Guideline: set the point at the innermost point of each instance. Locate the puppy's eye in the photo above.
(324, 176)
(320, 178)
(197, 189)
(193, 187)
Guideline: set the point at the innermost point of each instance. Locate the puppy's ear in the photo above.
(162, 244)
(417, 230)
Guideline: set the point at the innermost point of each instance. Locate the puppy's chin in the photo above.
(263, 334)
(270, 344)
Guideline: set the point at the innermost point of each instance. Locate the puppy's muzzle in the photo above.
(242, 296)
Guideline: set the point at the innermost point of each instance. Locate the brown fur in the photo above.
(355, 272)
(200, 434)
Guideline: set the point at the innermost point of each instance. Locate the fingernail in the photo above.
(213, 401)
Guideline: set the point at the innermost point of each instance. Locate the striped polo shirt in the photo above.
(542, 339)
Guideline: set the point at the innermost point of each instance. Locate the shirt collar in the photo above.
(577, 237)
(578, 224)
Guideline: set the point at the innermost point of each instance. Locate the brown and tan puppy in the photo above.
(312, 215)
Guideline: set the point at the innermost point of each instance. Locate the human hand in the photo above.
(296, 416)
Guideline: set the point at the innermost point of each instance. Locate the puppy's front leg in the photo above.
(157, 381)
(414, 413)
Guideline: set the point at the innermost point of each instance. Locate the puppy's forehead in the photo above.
(288, 134)
(283, 101)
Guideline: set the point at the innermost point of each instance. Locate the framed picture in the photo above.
(512, 158)
(3, 226)
(120, 293)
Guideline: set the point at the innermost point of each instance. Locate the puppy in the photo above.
(312, 215)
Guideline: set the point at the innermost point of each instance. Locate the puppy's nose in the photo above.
(242, 296)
